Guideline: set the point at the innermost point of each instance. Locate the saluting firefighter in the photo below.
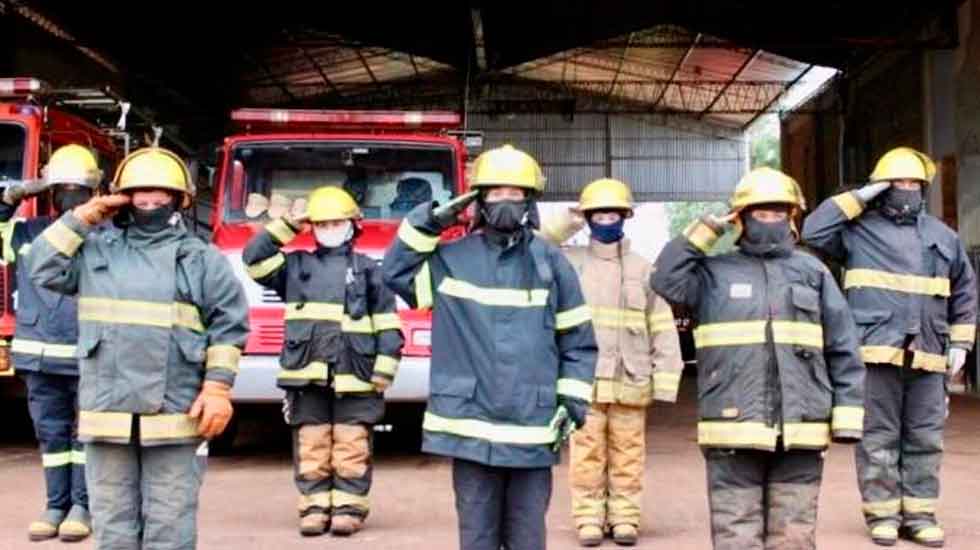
(343, 344)
(779, 373)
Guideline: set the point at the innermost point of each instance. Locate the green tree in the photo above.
(681, 214)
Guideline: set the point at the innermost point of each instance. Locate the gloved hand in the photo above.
(872, 190)
(720, 223)
(297, 223)
(212, 408)
(444, 216)
(955, 359)
(16, 191)
(380, 383)
(565, 427)
(98, 209)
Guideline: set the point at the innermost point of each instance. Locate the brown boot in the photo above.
(314, 524)
(345, 525)
(625, 534)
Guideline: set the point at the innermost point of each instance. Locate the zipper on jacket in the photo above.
(773, 367)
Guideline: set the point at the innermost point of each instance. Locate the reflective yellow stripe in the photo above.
(894, 356)
(33, 347)
(574, 317)
(316, 500)
(912, 505)
(797, 333)
(7, 234)
(730, 334)
(911, 284)
(611, 317)
(314, 371)
(136, 312)
(155, 427)
(24, 250)
(386, 321)
(661, 322)
(348, 383)
(325, 311)
(737, 434)
(78, 457)
(847, 418)
(884, 531)
(423, 287)
(929, 534)
(417, 240)
(281, 231)
(848, 204)
(266, 267)
(342, 498)
(105, 424)
(489, 431)
(882, 508)
(618, 391)
(223, 357)
(507, 297)
(666, 380)
(962, 333)
(575, 388)
(62, 238)
(806, 434)
(386, 365)
(56, 460)
(701, 236)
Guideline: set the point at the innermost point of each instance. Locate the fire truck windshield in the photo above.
(12, 142)
(387, 180)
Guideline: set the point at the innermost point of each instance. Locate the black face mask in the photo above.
(67, 199)
(152, 220)
(505, 216)
(765, 239)
(902, 205)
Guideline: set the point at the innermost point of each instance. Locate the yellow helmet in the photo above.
(507, 166)
(331, 203)
(606, 194)
(764, 186)
(903, 163)
(153, 168)
(72, 164)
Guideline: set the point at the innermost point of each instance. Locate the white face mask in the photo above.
(332, 238)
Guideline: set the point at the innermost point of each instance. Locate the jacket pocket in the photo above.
(942, 259)
(806, 303)
(870, 322)
(296, 349)
(192, 349)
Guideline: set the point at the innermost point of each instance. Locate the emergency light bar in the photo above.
(366, 119)
(19, 86)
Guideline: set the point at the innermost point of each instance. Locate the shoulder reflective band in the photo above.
(343, 498)
(78, 457)
(962, 333)
(661, 322)
(62, 238)
(281, 231)
(115, 425)
(314, 371)
(809, 435)
(136, 312)
(385, 365)
(755, 435)
(223, 357)
(848, 204)
(912, 505)
(494, 433)
(730, 334)
(701, 236)
(315, 500)
(894, 356)
(386, 321)
(910, 284)
(266, 267)
(325, 311)
(7, 235)
(575, 388)
(348, 383)
(882, 508)
(797, 333)
(423, 287)
(34, 347)
(505, 297)
(847, 418)
(56, 460)
(616, 318)
(574, 317)
(161, 427)
(415, 239)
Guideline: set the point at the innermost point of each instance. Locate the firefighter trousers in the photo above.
(762, 500)
(606, 468)
(500, 507)
(332, 448)
(52, 402)
(899, 457)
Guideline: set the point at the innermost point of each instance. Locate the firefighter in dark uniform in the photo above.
(43, 348)
(343, 344)
(913, 294)
(513, 351)
(779, 373)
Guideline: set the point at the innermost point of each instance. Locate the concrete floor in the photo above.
(248, 501)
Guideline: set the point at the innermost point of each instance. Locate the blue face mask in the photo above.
(607, 233)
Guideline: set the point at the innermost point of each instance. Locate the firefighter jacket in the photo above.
(512, 344)
(158, 314)
(47, 322)
(341, 324)
(909, 286)
(776, 346)
(639, 352)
